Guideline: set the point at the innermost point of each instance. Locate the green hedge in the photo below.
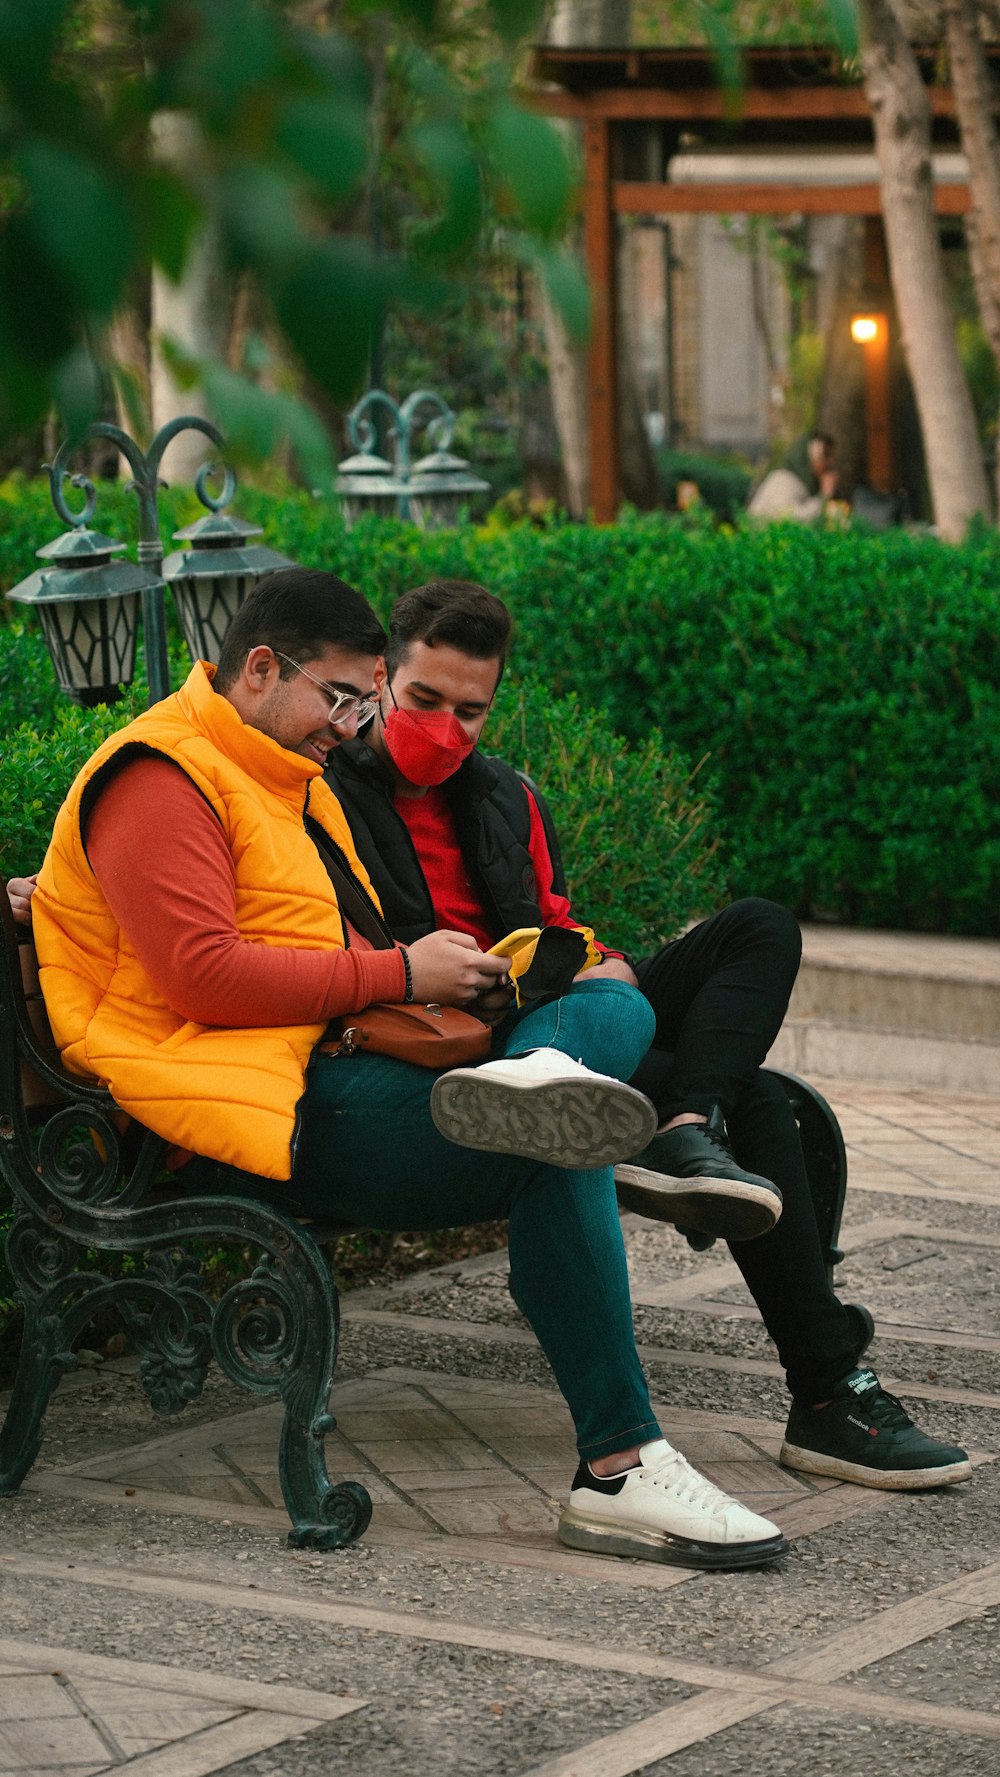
(622, 809)
(845, 687)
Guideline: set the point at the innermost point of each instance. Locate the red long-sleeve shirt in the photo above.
(171, 885)
(457, 906)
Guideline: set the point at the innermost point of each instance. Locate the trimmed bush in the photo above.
(635, 830)
(845, 687)
(623, 813)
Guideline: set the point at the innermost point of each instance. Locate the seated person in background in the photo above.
(195, 976)
(453, 838)
(803, 484)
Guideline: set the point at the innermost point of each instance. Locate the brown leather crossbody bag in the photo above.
(428, 1036)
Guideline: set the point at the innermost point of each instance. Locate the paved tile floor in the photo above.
(155, 1622)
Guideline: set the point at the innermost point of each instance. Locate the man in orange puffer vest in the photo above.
(193, 950)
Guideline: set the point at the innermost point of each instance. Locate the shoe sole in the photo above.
(727, 1209)
(892, 1480)
(635, 1542)
(568, 1123)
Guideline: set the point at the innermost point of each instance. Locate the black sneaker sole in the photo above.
(892, 1480)
(636, 1543)
(726, 1209)
(571, 1123)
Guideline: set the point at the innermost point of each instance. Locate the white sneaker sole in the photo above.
(892, 1480)
(571, 1123)
(727, 1209)
(640, 1542)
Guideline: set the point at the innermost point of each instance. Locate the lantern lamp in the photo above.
(88, 608)
(439, 486)
(211, 578)
(368, 483)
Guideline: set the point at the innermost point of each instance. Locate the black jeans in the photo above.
(719, 995)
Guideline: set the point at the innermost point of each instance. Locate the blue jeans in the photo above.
(369, 1153)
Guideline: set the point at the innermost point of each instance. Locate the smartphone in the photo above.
(513, 941)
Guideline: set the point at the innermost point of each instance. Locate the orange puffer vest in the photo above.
(229, 1094)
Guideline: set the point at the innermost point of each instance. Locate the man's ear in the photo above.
(380, 678)
(259, 669)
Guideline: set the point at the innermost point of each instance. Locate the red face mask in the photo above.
(427, 746)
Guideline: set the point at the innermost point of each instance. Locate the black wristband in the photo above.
(408, 993)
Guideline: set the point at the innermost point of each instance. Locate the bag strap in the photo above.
(360, 910)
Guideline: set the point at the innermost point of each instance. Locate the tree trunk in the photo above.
(568, 382)
(972, 86)
(194, 313)
(590, 24)
(901, 117)
(841, 408)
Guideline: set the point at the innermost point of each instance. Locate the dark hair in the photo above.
(825, 438)
(458, 613)
(300, 612)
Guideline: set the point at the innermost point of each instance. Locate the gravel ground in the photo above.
(788, 1742)
(443, 1709)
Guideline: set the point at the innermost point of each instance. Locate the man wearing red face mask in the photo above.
(454, 840)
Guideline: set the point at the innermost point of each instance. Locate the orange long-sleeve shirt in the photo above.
(163, 864)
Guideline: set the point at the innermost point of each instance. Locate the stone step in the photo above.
(904, 1008)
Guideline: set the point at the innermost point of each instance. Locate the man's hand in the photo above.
(19, 892)
(449, 969)
(493, 1005)
(611, 968)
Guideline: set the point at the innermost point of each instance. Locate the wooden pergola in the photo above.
(791, 98)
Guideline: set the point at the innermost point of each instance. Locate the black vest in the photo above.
(493, 822)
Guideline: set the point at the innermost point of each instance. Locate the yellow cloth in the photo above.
(544, 961)
(231, 1095)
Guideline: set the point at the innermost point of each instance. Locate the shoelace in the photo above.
(877, 1399)
(675, 1474)
(719, 1137)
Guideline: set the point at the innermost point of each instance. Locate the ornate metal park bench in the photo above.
(88, 1185)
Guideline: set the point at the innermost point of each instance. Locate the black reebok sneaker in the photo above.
(688, 1176)
(864, 1435)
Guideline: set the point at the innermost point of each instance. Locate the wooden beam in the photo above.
(802, 104)
(735, 198)
(602, 357)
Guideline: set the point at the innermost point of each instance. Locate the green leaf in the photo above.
(260, 214)
(532, 164)
(329, 145)
(171, 214)
(78, 391)
(27, 34)
(36, 324)
(256, 422)
(232, 51)
(565, 282)
(80, 220)
(441, 149)
(327, 308)
(515, 20)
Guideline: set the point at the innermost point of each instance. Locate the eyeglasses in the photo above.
(344, 705)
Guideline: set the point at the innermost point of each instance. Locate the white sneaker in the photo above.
(545, 1106)
(664, 1510)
